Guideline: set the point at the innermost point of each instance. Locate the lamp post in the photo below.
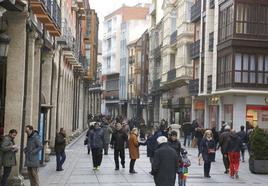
(4, 45)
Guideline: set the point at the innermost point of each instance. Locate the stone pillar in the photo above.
(81, 105)
(53, 111)
(46, 91)
(15, 85)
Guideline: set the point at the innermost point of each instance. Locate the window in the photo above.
(226, 23)
(112, 84)
(173, 18)
(224, 73)
(109, 26)
(172, 61)
(109, 44)
(109, 62)
(251, 68)
(251, 19)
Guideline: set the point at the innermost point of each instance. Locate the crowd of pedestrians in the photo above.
(167, 156)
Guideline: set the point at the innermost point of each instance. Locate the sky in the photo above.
(105, 7)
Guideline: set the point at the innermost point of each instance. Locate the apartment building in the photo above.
(230, 62)
(138, 68)
(176, 61)
(120, 27)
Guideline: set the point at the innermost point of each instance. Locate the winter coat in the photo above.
(234, 143)
(165, 165)
(32, 150)
(107, 130)
(60, 142)
(118, 139)
(204, 146)
(223, 141)
(176, 145)
(96, 138)
(8, 153)
(133, 146)
(243, 136)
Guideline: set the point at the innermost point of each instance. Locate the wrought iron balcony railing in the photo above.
(195, 49)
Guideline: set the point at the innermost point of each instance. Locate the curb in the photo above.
(76, 139)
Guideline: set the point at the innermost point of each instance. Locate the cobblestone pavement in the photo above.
(78, 171)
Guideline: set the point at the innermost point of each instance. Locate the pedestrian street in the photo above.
(78, 171)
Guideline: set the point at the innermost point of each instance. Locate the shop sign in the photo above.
(199, 105)
(263, 119)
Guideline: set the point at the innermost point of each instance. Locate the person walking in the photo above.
(216, 139)
(118, 140)
(165, 164)
(9, 150)
(32, 149)
(133, 149)
(187, 131)
(234, 146)
(207, 147)
(184, 163)
(107, 131)
(175, 143)
(243, 137)
(223, 144)
(96, 144)
(60, 144)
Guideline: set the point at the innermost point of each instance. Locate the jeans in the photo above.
(7, 171)
(207, 166)
(96, 156)
(187, 138)
(131, 165)
(106, 147)
(120, 153)
(226, 161)
(60, 158)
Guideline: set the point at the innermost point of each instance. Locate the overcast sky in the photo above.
(105, 7)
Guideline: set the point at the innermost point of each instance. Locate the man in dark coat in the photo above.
(60, 143)
(243, 137)
(223, 144)
(119, 138)
(9, 150)
(165, 164)
(96, 144)
(107, 130)
(31, 151)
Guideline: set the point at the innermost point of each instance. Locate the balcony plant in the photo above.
(258, 161)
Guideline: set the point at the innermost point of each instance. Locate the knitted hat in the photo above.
(162, 139)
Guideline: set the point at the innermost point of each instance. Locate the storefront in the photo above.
(257, 116)
(199, 109)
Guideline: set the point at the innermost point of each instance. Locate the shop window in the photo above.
(228, 114)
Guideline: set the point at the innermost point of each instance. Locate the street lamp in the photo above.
(4, 45)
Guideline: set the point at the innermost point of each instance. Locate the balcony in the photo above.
(171, 75)
(48, 12)
(173, 38)
(111, 95)
(194, 87)
(156, 84)
(196, 11)
(211, 4)
(211, 41)
(195, 49)
(209, 84)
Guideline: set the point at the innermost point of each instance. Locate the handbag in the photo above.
(211, 151)
(86, 141)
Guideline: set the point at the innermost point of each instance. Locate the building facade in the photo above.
(121, 26)
(231, 64)
(138, 67)
(42, 73)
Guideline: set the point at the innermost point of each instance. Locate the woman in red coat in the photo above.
(133, 149)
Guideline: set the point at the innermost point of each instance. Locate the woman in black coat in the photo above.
(207, 148)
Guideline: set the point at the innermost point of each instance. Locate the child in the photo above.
(184, 163)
